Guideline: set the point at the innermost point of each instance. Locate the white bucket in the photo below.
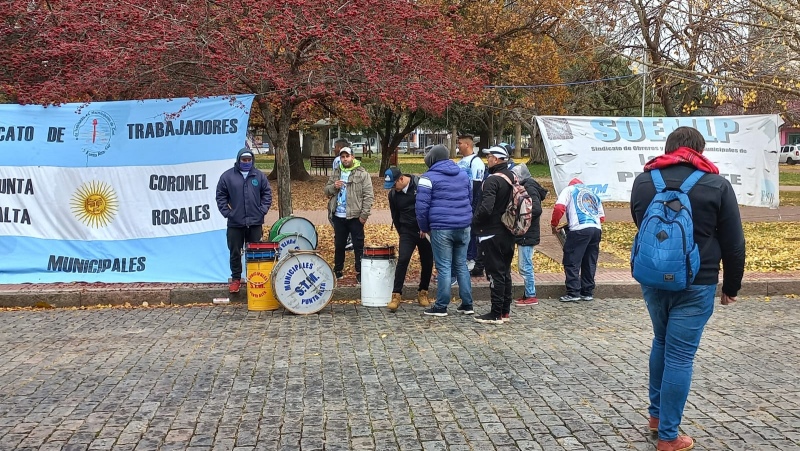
(377, 281)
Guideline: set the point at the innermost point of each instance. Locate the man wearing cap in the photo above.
(443, 206)
(584, 218)
(243, 197)
(402, 204)
(495, 239)
(349, 190)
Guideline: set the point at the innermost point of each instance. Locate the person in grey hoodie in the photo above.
(525, 243)
(243, 197)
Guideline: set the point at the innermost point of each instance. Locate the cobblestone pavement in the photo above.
(557, 377)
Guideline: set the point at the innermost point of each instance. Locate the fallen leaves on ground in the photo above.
(770, 246)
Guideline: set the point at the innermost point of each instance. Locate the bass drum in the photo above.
(303, 282)
(291, 241)
(294, 224)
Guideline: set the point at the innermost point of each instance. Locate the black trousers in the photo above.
(342, 228)
(408, 242)
(498, 252)
(581, 250)
(237, 236)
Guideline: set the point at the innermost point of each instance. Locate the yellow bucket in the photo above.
(259, 290)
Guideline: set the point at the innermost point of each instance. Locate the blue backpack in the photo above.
(664, 254)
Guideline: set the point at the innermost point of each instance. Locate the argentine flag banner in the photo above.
(117, 191)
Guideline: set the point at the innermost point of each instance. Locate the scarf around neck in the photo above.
(356, 163)
(682, 155)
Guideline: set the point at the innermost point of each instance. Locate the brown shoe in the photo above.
(395, 302)
(653, 424)
(422, 298)
(682, 443)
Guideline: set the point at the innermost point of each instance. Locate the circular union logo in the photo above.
(256, 281)
(94, 132)
(95, 204)
(587, 202)
(254, 182)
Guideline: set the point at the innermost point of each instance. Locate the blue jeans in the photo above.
(526, 270)
(450, 246)
(678, 319)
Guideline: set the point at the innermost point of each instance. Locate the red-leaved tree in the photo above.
(293, 54)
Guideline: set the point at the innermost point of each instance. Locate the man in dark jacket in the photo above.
(444, 197)
(402, 204)
(678, 317)
(244, 198)
(526, 242)
(494, 238)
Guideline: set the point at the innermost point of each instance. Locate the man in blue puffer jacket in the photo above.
(244, 197)
(444, 211)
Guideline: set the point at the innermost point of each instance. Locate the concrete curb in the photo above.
(62, 297)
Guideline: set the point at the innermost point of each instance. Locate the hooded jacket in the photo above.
(537, 193)
(444, 198)
(495, 195)
(243, 201)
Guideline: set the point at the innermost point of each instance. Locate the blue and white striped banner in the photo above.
(116, 191)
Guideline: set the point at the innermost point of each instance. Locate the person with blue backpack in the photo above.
(688, 220)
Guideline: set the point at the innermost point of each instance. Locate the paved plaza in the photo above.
(558, 377)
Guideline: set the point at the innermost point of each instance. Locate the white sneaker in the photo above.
(470, 265)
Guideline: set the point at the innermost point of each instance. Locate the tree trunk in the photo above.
(491, 141)
(453, 141)
(278, 123)
(517, 140)
(538, 153)
(297, 169)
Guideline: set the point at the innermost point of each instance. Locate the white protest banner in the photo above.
(607, 153)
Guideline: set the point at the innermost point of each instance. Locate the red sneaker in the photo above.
(234, 285)
(505, 317)
(652, 424)
(522, 302)
(682, 443)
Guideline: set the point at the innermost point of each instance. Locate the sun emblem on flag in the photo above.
(95, 204)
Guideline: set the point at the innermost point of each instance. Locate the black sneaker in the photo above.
(339, 275)
(433, 311)
(569, 298)
(476, 272)
(488, 318)
(587, 298)
(465, 309)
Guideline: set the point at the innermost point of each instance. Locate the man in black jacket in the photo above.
(402, 204)
(525, 243)
(679, 317)
(494, 238)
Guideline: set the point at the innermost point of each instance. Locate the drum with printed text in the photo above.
(294, 224)
(303, 282)
(291, 241)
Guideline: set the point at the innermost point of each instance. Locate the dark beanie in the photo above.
(437, 153)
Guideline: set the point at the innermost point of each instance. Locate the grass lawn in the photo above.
(410, 164)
